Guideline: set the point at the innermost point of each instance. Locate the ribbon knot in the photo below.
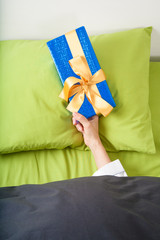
(84, 86)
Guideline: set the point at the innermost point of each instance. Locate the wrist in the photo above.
(100, 155)
(95, 144)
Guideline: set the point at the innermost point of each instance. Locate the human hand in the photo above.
(88, 127)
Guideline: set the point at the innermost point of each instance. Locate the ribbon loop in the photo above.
(80, 67)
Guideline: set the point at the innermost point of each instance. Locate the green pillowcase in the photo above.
(32, 116)
(125, 58)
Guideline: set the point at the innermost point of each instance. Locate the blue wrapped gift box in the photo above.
(61, 54)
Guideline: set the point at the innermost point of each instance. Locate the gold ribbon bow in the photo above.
(85, 85)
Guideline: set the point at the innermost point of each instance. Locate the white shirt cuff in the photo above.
(114, 168)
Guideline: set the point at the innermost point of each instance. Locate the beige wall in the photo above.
(43, 19)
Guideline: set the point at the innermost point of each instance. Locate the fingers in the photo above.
(79, 117)
(79, 127)
(77, 124)
(74, 121)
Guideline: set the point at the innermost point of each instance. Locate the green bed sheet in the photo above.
(37, 167)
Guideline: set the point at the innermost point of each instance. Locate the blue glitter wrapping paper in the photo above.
(61, 54)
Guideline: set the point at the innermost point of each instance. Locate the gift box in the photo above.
(84, 81)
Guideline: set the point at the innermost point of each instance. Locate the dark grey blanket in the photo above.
(88, 208)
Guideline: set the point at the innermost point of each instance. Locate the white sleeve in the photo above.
(114, 168)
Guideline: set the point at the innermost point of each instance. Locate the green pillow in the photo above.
(125, 58)
(34, 117)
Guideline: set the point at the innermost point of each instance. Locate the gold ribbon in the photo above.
(87, 83)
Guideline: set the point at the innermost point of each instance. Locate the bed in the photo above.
(43, 166)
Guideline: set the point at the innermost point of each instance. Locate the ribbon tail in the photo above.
(62, 95)
(99, 104)
(104, 107)
(76, 102)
